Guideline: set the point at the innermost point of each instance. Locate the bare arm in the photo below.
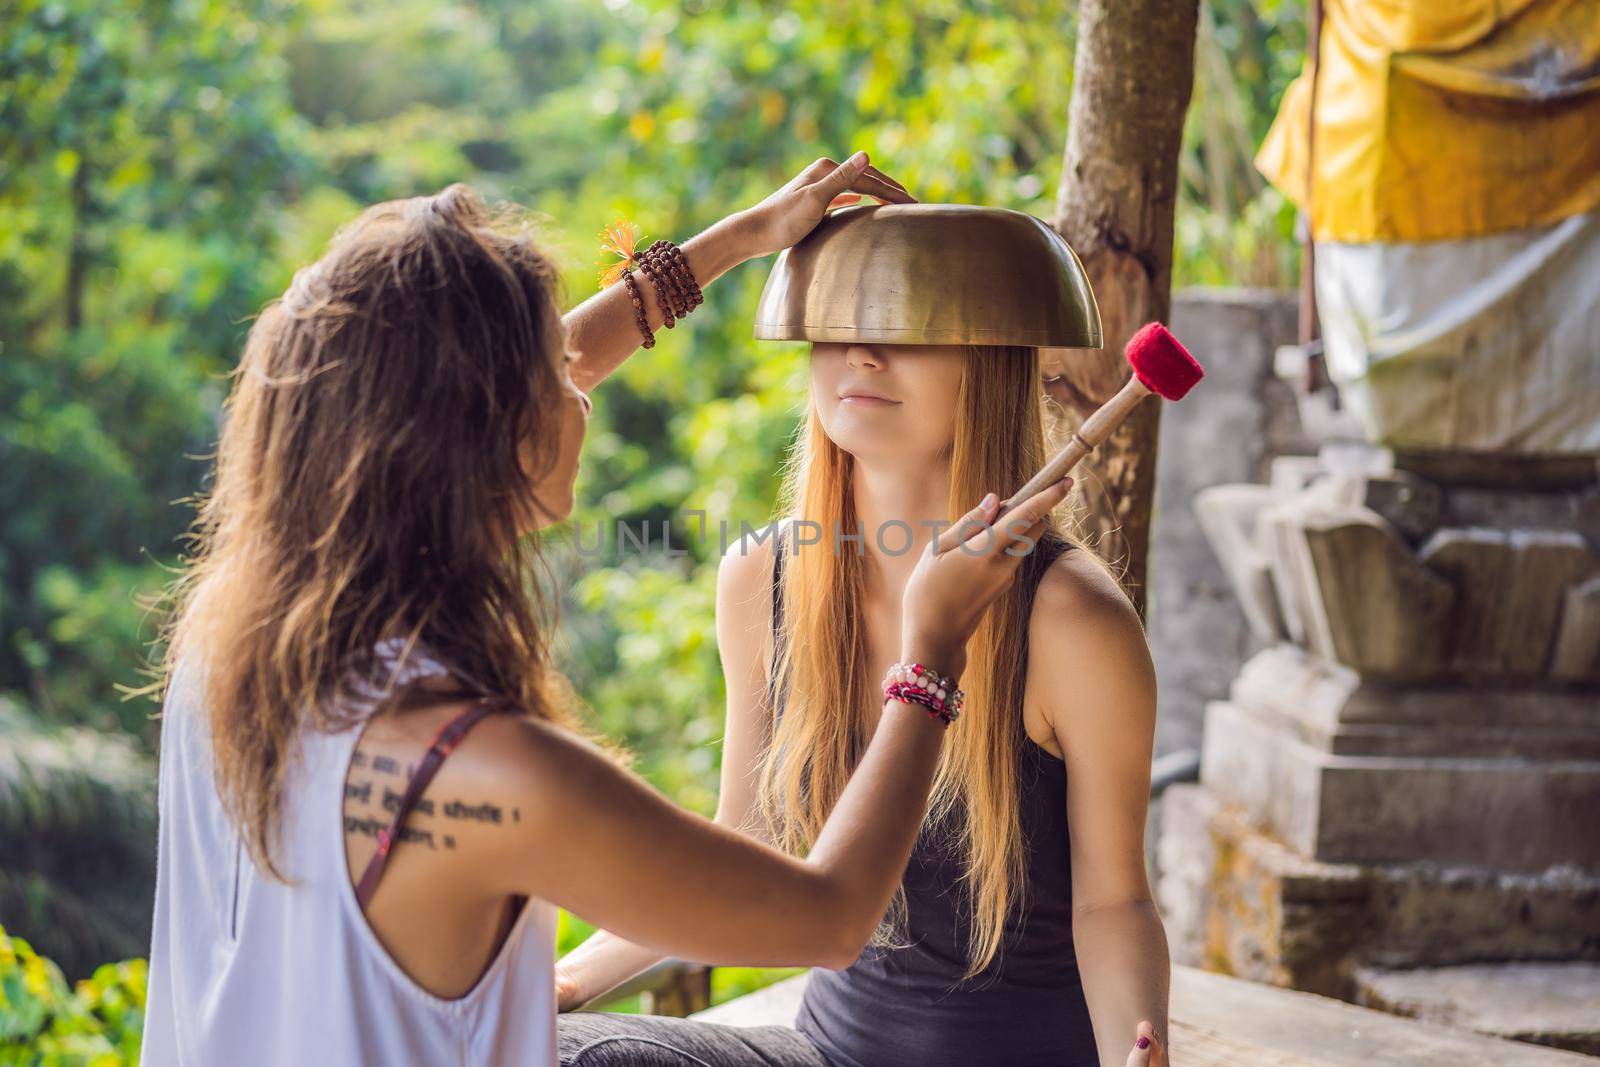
(590, 837)
(603, 331)
(617, 853)
(1097, 687)
(744, 606)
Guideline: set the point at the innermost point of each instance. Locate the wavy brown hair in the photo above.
(388, 423)
(831, 701)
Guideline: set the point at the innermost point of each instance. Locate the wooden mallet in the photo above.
(1161, 365)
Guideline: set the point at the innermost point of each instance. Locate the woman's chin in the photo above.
(544, 519)
(872, 444)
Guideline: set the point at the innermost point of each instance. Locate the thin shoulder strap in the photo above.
(444, 742)
(777, 623)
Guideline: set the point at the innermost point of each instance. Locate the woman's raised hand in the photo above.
(794, 210)
(961, 573)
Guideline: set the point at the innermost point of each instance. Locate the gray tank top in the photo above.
(911, 1005)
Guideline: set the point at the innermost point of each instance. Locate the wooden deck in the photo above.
(1226, 1022)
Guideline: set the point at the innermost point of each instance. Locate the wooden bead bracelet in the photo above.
(638, 309)
(677, 291)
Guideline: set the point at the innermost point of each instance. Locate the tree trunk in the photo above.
(77, 249)
(1133, 74)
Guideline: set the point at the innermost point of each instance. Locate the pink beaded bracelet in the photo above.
(917, 684)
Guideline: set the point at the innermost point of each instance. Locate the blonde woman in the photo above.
(1024, 932)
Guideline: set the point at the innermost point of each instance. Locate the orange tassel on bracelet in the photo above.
(620, 239)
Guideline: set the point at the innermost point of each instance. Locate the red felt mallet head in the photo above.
(1162, 363)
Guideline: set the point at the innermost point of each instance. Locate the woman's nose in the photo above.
(862, 356)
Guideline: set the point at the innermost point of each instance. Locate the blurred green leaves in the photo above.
(46, 1023)
(149, 151)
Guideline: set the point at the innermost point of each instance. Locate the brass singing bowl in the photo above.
(930, 274)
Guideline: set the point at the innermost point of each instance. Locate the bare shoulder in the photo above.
(1078, 601)
(1089, 666)
(510, 786)
(744, 593)
(519, 759)
(746, 567)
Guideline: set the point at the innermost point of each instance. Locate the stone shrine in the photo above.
(1400, 797)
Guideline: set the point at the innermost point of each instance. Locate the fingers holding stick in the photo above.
(967, 526)
(1023, 522)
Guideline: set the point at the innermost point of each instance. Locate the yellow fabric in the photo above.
(1440, 119)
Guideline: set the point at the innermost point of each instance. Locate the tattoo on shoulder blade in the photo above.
(367, 801)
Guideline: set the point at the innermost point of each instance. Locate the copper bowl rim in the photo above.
(1086, 333)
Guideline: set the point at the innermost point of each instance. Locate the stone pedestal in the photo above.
(1407, 775)
(1347, 771)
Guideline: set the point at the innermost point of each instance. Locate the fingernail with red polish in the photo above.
(1143, 1042)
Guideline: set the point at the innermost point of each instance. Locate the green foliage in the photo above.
(148, 149)
(77, 839)
(44, 1023)
(730, 983)
(1233, 228)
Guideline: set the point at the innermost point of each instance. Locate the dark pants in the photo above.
(602, 1039)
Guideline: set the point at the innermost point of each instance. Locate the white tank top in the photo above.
(246, 970)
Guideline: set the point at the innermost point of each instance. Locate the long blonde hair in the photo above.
(830, 701)
(369, 487)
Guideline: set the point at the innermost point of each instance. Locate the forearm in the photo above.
(1122, 957)
(858, 834)
(604, 962)
(603, 331)
(720, 897)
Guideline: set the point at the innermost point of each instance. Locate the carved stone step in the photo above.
(1555, 1004)
(1235, 899)
(1370, 603)
(1322, 698)
(1463, 742)
(1331, 565)
(1331, 708)
(1513, 814)
(1229, 515)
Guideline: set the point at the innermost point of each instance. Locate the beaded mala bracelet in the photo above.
(677, 291)
(667, 301)
(678, 266)
(668, 261)
(638, 309)
(917, 684)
